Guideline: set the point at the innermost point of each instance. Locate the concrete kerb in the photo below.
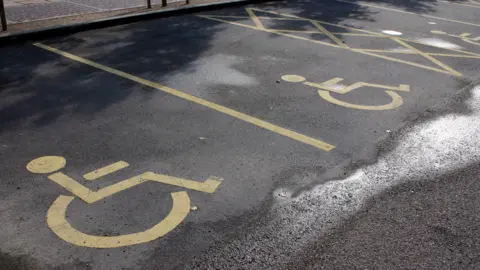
(117, 20)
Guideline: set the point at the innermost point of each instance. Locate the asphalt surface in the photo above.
(397, 191)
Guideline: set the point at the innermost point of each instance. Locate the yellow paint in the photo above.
(318, 32)
(438, 32)
(105, 170)
(47, 164)
(273, 31)
(248, 17)
(56, 217)
(332, 86)
(330, 35)
(450, 49)
(56, 220)
(255, 19)
(396, 102)
(386, 51)
(407, 62)
(407, 12)
(90, 196)
(472, 42)
(454, 55)
(236, 114)
(464, 37)
(208, 186)
(293, 78)
(444, 68)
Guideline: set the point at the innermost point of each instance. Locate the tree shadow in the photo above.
(38, 87)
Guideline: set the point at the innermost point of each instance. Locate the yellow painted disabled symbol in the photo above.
(56, 215)
(332, 86)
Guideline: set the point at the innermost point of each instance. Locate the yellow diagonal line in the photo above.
(322, 22)
(405, 62)
(384, 51)
(297, 31)
(432, 59)
(236, 114)
(269, 31)
(450, 49)
(455, 55)
(361, 51)
(354, 34)
(358, 30)
(330, 35)
(248, 17)
(255, 19)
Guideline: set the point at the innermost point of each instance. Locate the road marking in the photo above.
(58, 223)
(330, 35)
(106, 170)
(47, 164)
(406, 12)
(332, 86)
(396, 102)
(56, 217)
(444, 68)
(464, 36)
(427, 56)
(236, 114)
(255, 19)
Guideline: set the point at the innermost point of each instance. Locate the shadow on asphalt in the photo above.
(408, 226)
(37, 87)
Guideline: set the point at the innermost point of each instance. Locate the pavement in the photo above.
(20, 11)
(283, 135)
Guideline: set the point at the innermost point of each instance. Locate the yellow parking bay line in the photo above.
(239, 115)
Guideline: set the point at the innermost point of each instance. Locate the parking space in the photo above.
(131, 146)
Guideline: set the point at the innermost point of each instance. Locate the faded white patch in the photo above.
(432, 23)
(439, 43)
(392, 33)
(429, 149)
(336, 86)
(401, 49)
(432, 148)
(217, 69)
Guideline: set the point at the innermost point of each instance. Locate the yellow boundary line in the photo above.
(401, 41)
(435, 61)
(330, 35)
(236, 114)
(254, 18)
(407, 12)
(336, 46)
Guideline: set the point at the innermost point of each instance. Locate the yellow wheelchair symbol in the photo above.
(56, 215)
(332, 86)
